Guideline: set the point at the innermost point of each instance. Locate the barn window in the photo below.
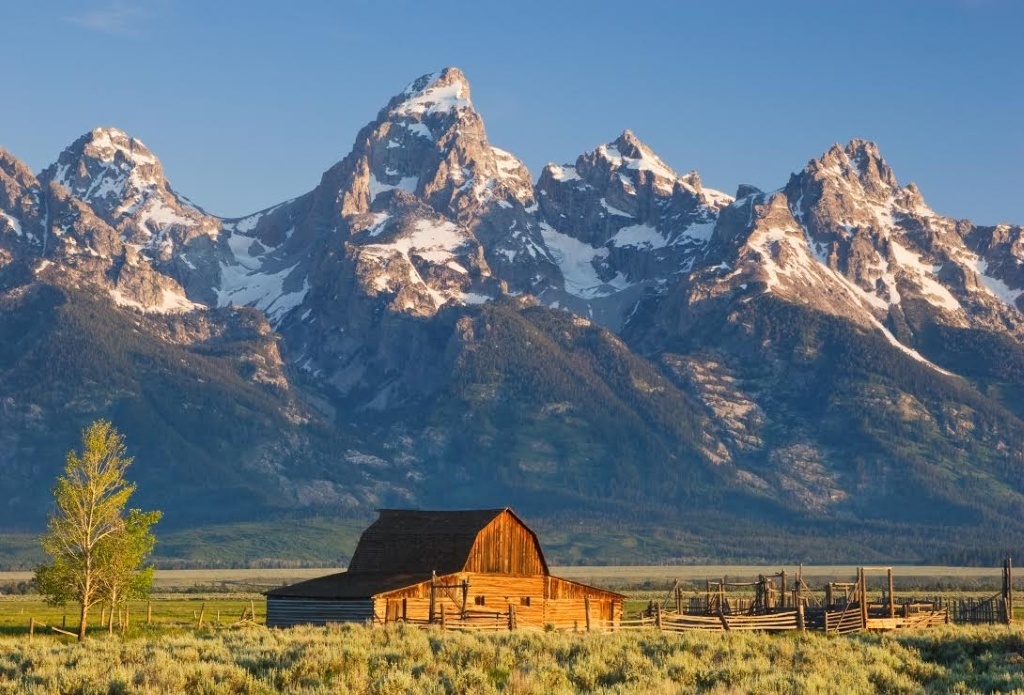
(524, 601)
(479, 600)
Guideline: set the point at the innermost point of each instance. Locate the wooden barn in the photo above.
(454, 567)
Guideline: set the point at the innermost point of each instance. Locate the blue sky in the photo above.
(247, 103)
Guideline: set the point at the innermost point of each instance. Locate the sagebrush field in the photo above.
(398, 659)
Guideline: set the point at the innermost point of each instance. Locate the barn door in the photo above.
(394, 610)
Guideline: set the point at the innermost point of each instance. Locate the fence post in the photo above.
(586, 611)
(892, 599)
(202, 612)
(657, 616)
(149, 612)
(31, 628)
(433, 601)
(800, 624)
(1008, 590)
(442, 617)
(863, 598)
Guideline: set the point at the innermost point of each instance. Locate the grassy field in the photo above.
(166, 613)
(229, 655)
(396, 659)
(649, 577)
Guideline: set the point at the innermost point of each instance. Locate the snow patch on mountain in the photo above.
(906, 350)
(923, 274)
(508, 163)
(171, 302)
(576, 260)
(614, 210)
(419, 129)
(647, 161)
(698, 231)
(639, 235)
(435, 98)
(434, 241)
(405, 183)
(996, 287)
(13, 222)
(251, 279)
(563, 172)
(716, 199)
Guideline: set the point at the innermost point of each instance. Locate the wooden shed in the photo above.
(454, 566)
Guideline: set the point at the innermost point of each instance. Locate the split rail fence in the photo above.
(775, 607)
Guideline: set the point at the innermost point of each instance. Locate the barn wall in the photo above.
(559, 588)
(285, 612)
(531, 596)
(506, 546)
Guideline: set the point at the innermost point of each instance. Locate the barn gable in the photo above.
(409, 542)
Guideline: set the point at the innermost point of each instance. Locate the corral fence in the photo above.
(771, 603)
(777, 606)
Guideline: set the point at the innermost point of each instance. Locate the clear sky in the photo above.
(247, 103)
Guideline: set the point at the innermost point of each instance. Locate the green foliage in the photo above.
(122, 557)
(95, 551)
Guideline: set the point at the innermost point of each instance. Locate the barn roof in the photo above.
(404, 547)
(406, 541)
(348, 585)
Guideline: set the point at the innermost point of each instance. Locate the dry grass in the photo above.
(354, 659)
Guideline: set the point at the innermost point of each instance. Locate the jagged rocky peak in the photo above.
(430, 142)
(427, 155)
(99, 166)
(20, 199)
(846, 188)
(13, 171)
(624, 183)
(627, 151)
(124, 184)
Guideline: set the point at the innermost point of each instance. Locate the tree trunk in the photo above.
(81, 621)
(113, 607)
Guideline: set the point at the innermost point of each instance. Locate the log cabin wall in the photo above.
(538, 601)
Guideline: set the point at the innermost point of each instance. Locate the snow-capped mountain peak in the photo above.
(124, 184)
(104, 167)
(446, 91)
(628, 152)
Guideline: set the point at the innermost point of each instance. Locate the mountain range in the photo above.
(828, 371)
